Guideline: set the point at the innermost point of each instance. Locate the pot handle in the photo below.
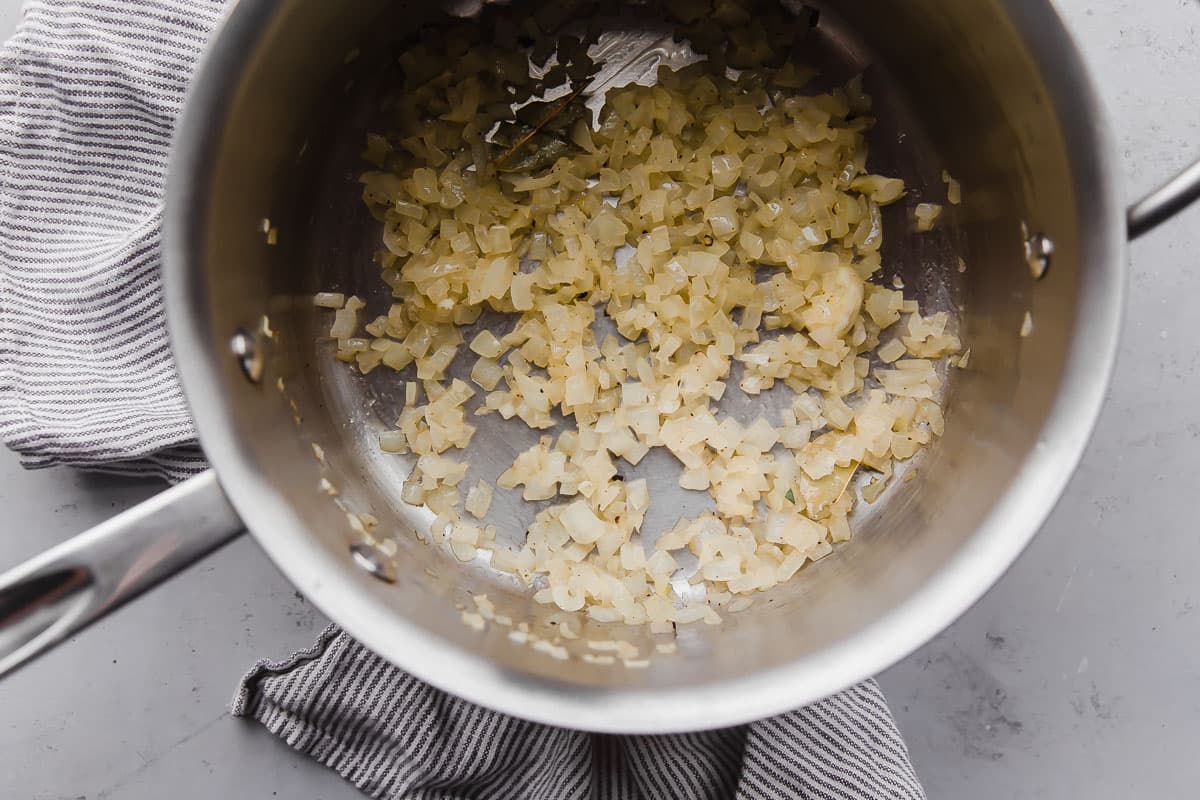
(1164, 202)
(61, 591)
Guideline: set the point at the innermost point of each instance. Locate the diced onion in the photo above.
(329, 299)
(927, 216)
(659, 218)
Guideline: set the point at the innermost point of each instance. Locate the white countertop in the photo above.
(1078, 675)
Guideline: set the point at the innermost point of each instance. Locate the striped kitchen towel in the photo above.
(89, 91)
(395, 737)
(88, 97)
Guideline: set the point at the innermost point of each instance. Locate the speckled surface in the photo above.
(1078, 675)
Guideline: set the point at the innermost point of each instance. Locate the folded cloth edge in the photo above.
(393, 736)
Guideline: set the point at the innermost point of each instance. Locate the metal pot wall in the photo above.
(993, 91)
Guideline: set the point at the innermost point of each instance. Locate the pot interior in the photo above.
(275, 132)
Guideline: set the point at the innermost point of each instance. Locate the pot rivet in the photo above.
(250, 358)
(1038, 251)
(370, 560)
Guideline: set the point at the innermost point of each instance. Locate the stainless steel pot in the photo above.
(992, 90)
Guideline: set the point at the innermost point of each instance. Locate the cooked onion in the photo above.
(742, 210)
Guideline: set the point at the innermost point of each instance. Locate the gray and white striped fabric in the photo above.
(395, 737)
(88, 96)
(89, 91)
